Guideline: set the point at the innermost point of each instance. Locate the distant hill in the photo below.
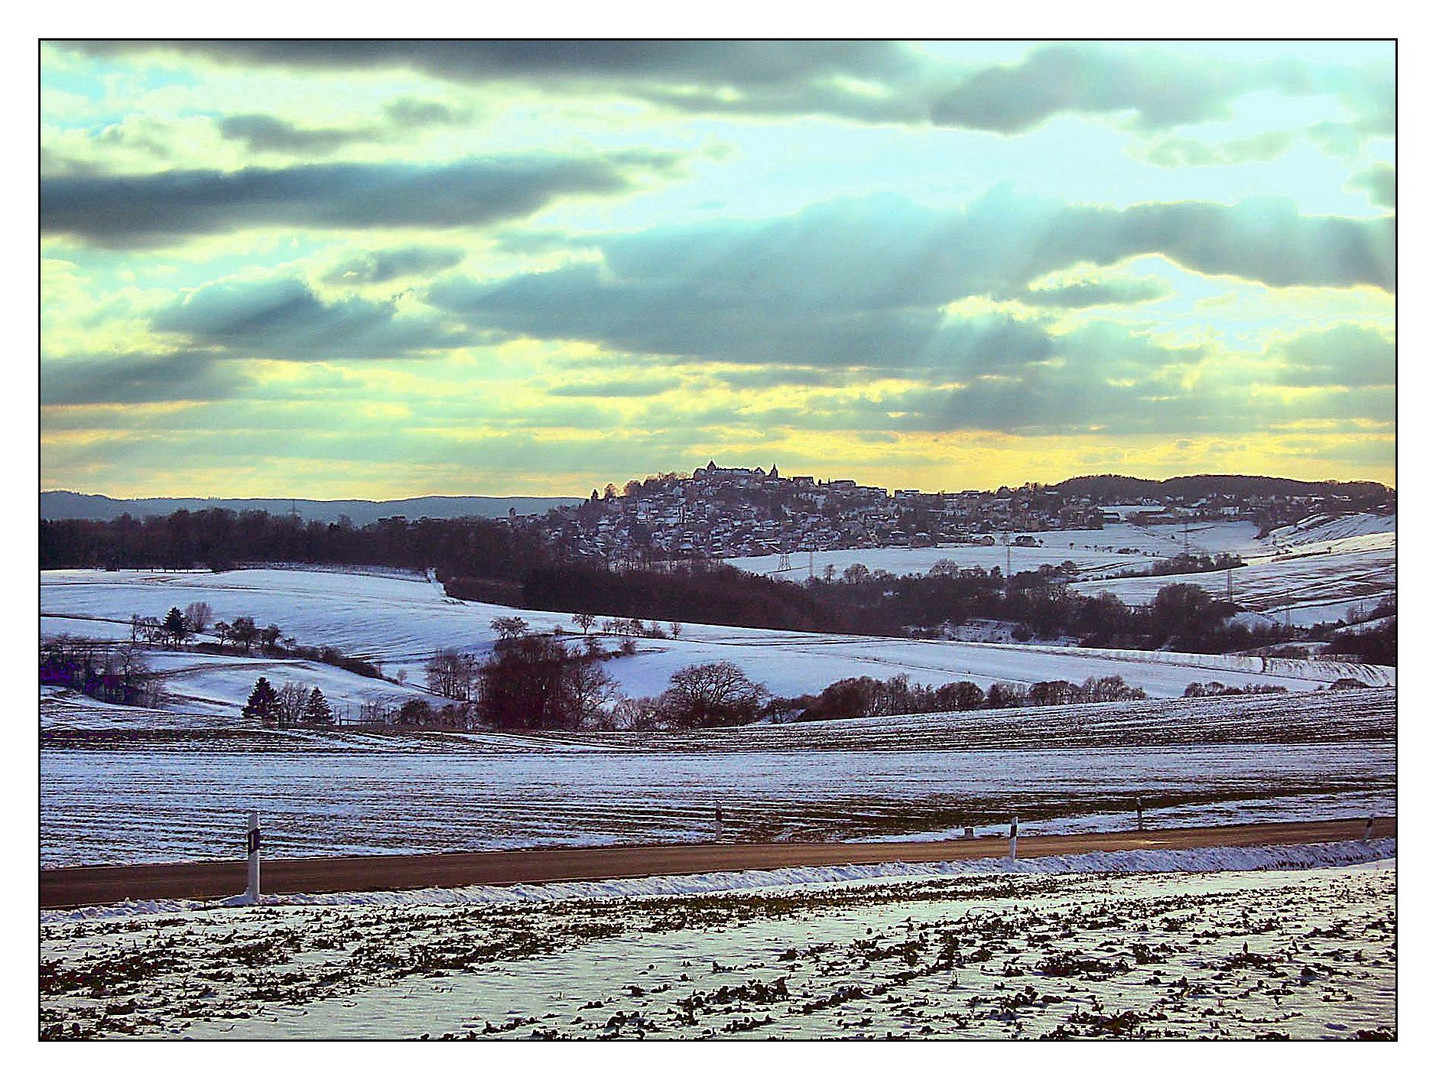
(1119, 489)
(63, 505)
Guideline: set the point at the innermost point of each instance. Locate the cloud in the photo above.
(377, 267)
(282, 319)
(1101, 376)
(860, 79)
(411, 112)
(1379, 182)
(149, 210)
(1159, 89)
(1178, 153)
(1343, 356)
(133, 379)
(1083, 294)
(616, 388)
(871, 81)
(863, 283)
(262, 133)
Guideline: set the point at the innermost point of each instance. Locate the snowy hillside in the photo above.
(1116, 549)
(399, 622)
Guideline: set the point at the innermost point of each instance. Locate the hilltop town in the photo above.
(722, 512)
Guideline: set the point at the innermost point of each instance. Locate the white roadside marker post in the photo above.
(717, 824)
(1370, 824)
(252, 894)
(1012, 842)
(1139, 815)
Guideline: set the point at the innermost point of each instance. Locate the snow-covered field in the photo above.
(1238, 946)
(1318, 571)
(198, 683)
(1311, 583)
(1096, 552)
(400, 621)
(1208, 761)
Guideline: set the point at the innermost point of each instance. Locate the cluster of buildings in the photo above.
(725, 513)
(731, 513)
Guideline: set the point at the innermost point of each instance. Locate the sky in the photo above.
(394, 268)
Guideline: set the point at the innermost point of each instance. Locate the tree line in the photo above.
(220, 539)
(535, 681)
(514, 563)
(178, 629)
(899, 696)
(114, 672)
(292, 705)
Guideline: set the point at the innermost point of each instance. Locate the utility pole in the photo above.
(252, 846)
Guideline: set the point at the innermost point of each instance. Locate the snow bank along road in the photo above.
(77, 886)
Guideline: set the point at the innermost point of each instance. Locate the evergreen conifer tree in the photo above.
(175, 627)
(316, 711)
(263, 704)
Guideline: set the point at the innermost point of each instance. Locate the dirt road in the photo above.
(80, 886)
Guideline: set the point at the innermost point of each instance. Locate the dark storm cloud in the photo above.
(416, 112)
(862, 282)
(739, 62)
(281, 319)
(1347, 356)
(136, 379)
(377, 267)
(872, 81)
(1160, 88)
(140, 211)
(772, 77)
(261, 133)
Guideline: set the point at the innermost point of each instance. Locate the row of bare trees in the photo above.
(108, 671)
(178, 627)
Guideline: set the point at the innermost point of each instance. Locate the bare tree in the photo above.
(243, 632)
(585, 621)
(198, 616)
(451, 674)
(508, 627)
(635, 714)
(292, 697)
(591, 691)
(709, 695)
